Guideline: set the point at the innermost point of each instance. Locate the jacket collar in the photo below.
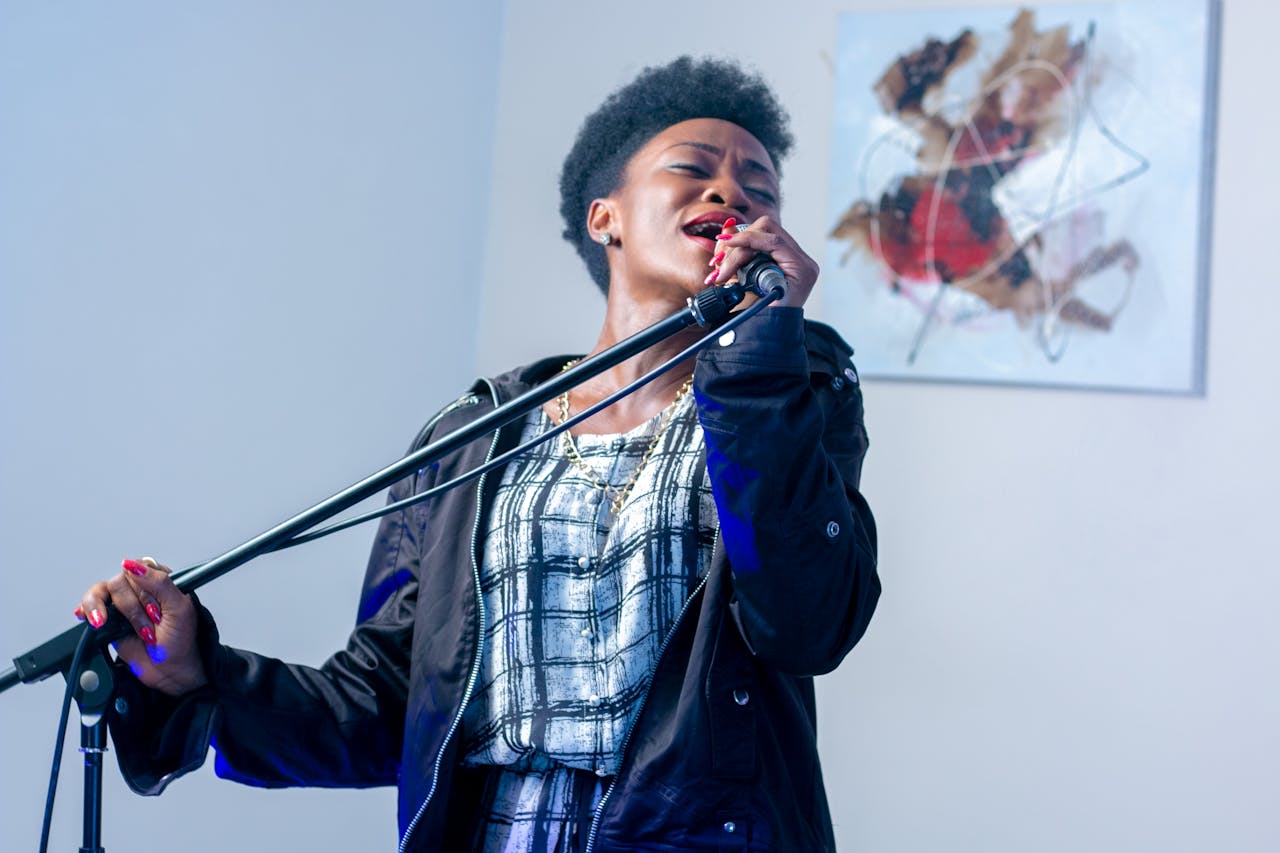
(513, 383)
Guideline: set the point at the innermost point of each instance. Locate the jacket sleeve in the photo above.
(784, 450)
(275, 724)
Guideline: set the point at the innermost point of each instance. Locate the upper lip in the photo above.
(717, 217)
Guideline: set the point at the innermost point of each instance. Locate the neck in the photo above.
(624, 317)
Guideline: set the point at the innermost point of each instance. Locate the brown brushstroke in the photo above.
(941, 224)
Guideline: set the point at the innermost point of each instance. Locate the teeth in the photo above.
(704, 229)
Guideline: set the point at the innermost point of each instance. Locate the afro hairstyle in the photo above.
(657, 98)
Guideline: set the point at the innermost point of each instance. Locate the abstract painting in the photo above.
(1022, 194)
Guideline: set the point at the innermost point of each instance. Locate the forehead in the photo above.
(712, 135)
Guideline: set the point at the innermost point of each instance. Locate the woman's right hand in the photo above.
(162, 651)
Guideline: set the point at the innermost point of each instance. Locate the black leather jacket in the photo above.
(723, 753)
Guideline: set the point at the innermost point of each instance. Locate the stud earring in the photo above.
(605, 238)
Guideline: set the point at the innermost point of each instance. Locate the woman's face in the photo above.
(676, 193)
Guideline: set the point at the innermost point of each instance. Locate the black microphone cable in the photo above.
(73, 678)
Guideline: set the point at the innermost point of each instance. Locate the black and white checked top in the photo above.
(577, 604)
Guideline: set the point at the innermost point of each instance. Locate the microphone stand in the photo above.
(94, 682)
(95, 685)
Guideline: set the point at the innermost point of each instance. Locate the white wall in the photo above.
(239, 266)
(1075, 649)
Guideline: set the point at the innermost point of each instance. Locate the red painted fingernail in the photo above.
(78, 613)
(714, 275)
(729, 223)
(133, 567)
(148, 636)
(153, 613)
(724, 236)
(96, 619)
(715, 262)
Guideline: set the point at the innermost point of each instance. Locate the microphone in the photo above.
(761, 274)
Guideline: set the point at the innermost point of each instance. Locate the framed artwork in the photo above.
(1021, 194)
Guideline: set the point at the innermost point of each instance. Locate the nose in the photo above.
(724, 190)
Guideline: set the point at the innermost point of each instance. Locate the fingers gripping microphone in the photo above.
(761, 275)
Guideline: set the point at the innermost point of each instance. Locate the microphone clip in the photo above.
(711, 305)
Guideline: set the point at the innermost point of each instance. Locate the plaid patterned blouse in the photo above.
(578, 603)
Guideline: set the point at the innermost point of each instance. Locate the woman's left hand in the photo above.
(767, 235)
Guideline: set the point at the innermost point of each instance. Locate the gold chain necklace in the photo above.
(617, 497)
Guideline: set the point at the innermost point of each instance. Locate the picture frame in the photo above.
(1022, 194)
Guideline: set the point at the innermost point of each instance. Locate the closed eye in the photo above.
(761, 194)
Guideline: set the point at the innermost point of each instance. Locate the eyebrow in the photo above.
(753, 165)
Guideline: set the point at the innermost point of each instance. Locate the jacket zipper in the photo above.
(644, 700)
(474, 674)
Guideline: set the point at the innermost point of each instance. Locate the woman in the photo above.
(608, 645)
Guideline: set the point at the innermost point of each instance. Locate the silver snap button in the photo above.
(727, 338)
(833, 530)
(741, 696)
(594, 700)
(837, 383)
(730, 826)
(586, 632)
(585, 562)
(851, 375)
(122, 707)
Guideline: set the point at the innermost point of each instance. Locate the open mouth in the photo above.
(703, 231)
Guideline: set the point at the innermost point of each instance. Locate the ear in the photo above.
(602, 216)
